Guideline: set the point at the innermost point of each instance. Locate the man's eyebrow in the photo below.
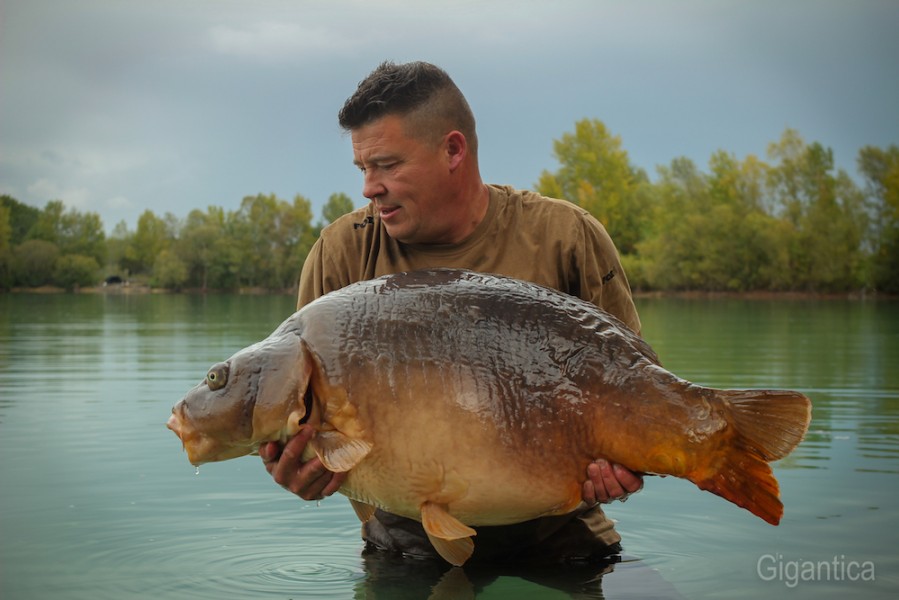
(377, 159)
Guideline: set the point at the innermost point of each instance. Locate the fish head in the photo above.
(256, 396)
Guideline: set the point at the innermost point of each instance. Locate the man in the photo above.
(414, 140)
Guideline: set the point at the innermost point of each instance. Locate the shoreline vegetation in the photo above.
(791, 225)
(143, 289)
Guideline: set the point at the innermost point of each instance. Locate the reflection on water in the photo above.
(389, 577)
(98, 501)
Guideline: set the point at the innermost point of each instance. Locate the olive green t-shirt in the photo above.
(523, 235)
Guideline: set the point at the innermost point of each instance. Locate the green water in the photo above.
(97, 499)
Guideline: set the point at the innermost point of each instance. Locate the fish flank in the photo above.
(469, 400)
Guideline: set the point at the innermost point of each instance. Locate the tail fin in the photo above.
(767, 425)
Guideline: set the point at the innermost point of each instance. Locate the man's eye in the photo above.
(388, 166)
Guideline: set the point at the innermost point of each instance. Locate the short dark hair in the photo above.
(423, 92)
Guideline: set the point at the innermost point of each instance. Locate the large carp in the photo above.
(461, 399)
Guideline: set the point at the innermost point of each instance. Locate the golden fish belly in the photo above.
(483, 474)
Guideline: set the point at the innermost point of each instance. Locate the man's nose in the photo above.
(372, 184)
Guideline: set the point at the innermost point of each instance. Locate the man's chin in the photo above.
(398, 232)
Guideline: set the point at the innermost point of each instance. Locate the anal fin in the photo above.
(363, 511)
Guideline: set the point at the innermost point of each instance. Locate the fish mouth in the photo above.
(190, 441)
(174, 423)
(177, 425)
(202, 448)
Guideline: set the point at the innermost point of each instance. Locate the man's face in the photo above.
(407, 180)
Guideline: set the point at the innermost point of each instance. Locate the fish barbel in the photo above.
(461, 399)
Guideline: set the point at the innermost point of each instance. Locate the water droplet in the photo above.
(197, 472)
(318, 502)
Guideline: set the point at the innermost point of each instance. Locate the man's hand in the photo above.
(309, 480)
(607, 482)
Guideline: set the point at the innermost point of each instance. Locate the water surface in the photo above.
(98, 501)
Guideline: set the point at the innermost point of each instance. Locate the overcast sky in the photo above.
(117, 106)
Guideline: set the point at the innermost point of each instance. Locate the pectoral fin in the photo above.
(363, 511)
(449, 536)
(338, 452)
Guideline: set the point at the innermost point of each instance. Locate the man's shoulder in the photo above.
(534, 205)
(351, 225)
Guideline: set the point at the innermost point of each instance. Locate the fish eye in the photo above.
(217, 377)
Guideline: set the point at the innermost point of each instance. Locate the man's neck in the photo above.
(477, 200)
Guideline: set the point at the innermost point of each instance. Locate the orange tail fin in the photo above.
(768, 425)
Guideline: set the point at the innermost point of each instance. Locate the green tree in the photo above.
(76, 270)
(338, 204)
(72, 231)
(710, 231)
(880, 169)
(21, 218)
(116, 245)
(35, 262)
(254, 235)
(671, 252)
(207, 251)
(48, 226)
(825, 210)
(272, 238)
(595, 173)
(302, 239)
(169, 271)
(83, 235)
(747, 251)
(6, 254)
(152, 236)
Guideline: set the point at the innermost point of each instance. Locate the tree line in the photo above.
(793, 222)
(262, 244)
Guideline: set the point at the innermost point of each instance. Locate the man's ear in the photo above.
(456, 148)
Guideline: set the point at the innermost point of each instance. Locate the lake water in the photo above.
(97, 499)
